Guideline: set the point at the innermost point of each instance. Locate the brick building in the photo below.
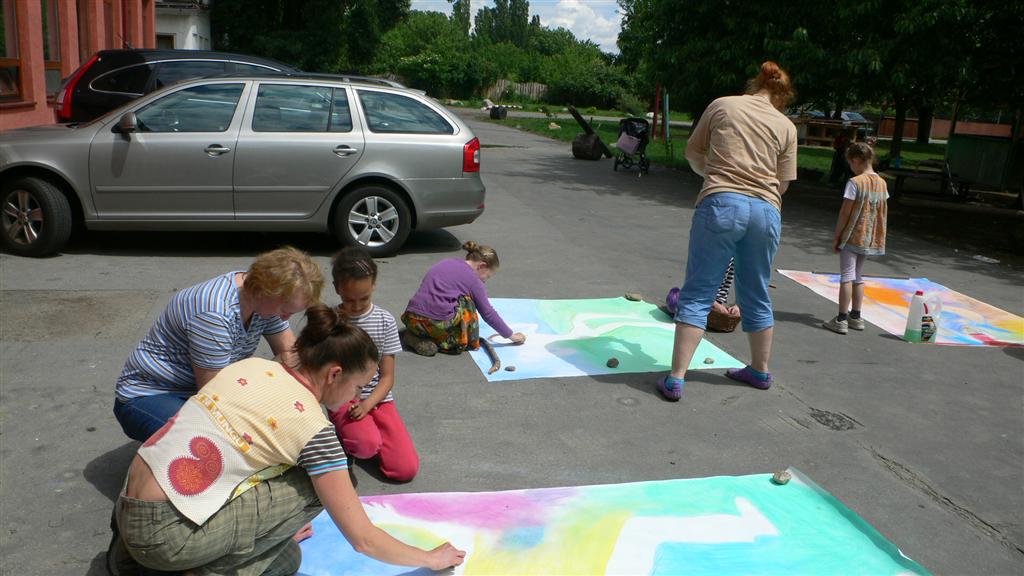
(44, 41)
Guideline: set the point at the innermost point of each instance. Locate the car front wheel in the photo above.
(36, 217)
(374, 217)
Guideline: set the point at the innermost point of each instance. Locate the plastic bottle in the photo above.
(923, 318)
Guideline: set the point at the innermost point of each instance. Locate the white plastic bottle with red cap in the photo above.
(923, 318)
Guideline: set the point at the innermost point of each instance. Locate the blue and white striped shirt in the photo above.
(201, 326)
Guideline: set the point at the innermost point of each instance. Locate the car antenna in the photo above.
(126, 43)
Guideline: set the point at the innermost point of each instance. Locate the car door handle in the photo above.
(345, 150)
(217, 150)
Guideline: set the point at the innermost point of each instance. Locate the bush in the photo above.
(631, 105)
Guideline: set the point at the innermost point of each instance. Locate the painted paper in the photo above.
(707, 526)
(578, 337)
(964, 321)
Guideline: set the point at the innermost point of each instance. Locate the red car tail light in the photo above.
(64, 98)
(471, 156)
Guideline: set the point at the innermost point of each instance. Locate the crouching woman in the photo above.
(226, 484)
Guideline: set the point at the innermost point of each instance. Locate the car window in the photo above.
(130, 80)
(170, 72)
(253, 69)
(341, 116)
(390, 113)
(289, 108)
(206, 108)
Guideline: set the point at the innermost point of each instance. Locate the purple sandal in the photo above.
(748, 375)
(671, 388)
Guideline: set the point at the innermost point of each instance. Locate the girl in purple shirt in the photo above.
(442, 315)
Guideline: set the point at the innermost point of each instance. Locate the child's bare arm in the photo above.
(387, 381)
(841, 222)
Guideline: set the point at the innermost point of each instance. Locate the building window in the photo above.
(83, 31)
(51, 46)
(165, 41)
(10, 64)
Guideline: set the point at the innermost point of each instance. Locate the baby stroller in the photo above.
(634, 133)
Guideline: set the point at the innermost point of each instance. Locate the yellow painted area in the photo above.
(592, 543)
(413, 535)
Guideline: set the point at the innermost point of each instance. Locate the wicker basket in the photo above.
(718, 322)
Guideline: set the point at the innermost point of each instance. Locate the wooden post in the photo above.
(657, 105)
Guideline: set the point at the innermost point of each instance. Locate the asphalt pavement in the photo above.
(923, 442)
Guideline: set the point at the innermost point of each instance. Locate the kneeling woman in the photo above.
(224, 486)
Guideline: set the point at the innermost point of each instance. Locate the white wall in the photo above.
(190, 27)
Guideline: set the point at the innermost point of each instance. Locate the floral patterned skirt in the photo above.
(457, 334)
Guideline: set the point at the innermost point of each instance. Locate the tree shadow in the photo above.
(585, 353)
(107, 472)
(920, 242)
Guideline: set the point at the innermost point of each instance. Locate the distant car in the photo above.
(112, 78)
(848, 118)
(367, 162)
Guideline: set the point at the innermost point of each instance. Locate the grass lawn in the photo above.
(558, 109)
(809, 157)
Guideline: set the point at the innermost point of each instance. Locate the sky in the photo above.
(596, 20)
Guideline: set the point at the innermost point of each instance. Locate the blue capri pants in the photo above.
(726, 225)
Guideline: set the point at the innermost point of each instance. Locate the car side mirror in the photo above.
(127, 124)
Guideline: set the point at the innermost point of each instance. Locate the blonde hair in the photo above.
(284, 272)
(773, 79)
(478, 253)
(861, 151)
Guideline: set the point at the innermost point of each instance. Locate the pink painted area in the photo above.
(494, 510)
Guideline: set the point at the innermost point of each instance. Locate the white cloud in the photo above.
(595, 20)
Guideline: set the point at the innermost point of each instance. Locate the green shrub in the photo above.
(631, 105)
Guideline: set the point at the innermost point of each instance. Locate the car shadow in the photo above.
(227, 244)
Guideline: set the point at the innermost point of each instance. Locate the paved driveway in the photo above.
(923, 442)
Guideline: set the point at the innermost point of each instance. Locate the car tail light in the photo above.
(64, 98)
(471, 156)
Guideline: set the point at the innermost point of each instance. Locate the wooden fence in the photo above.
(529, 90)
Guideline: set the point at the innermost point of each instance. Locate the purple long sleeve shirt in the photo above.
(441, 288)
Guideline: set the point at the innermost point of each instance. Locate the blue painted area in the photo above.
(636, 333)
(809, 531)
(523, 538)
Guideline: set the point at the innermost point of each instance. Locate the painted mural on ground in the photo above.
(578, 337)
(964, 320)
(707, 526)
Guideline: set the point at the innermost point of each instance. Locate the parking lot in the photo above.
(925, 443)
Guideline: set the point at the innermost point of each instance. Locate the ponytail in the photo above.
(327, 338)
(774, 80)
(478, 253)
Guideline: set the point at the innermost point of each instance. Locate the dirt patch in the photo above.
(836, 421)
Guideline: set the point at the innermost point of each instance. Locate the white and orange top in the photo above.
(254, 415)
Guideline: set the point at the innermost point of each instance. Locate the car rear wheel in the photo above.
(35, 218)
(374, 217)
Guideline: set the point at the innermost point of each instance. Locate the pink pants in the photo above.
(379, 432)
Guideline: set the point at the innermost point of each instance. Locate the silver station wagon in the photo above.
(365, 162)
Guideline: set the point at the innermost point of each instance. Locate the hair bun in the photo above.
(471, 247)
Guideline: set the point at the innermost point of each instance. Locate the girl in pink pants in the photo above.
(370, 425)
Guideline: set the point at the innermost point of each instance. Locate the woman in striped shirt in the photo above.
(223, 487)
(209, 326)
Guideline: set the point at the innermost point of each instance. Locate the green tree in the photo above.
(461, 15)
(314, 35)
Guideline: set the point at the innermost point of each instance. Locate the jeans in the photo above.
(727, 225)
(142, 416)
